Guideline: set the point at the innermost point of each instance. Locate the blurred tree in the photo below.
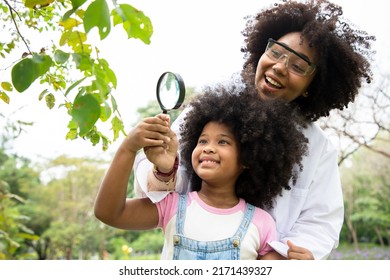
(62, 209)
(14, 176)
(365, 120)
(366, 185)
(149, 242)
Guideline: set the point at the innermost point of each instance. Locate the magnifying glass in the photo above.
(170, 91)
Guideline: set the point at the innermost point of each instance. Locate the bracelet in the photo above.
(168, 174)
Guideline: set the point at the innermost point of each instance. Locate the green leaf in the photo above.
(105, 112)
(94, 137)
(26, 71)
(86, 111)
(71, 135)
(75, 84)
(37, 3)
(50, 100)
(42, 94)
(75, 5)
(106, 142)
(4, 97)
(108, 72)
(75, 40)
(61, 57)
(114, 104)
(6, 86)
(98, 14)
(134, 21)
(117, 126)
(69, 23)
(72, 124)
(23, 74)
(83, 62)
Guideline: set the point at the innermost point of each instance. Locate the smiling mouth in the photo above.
(271, 82)
(208, 161)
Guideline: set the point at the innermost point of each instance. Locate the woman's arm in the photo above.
(293, 253)
(318, 225)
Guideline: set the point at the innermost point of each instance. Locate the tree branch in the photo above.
(12, 11)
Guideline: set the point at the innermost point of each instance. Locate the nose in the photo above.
(281, 65)
(208, 149)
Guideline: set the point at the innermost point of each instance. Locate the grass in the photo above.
(146, 257)
(345, 251)
(365, 252)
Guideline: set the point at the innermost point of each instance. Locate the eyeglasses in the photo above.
(296, 63)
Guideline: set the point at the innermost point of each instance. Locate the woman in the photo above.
(309, 56)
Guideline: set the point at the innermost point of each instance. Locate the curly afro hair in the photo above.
(343, 51)
(268, 133)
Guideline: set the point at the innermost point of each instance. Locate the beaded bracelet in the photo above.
(168, 174)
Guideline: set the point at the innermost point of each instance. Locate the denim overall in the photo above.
(226, 249)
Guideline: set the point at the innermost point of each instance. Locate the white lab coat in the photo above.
(311, 214)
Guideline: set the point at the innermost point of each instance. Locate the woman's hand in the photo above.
(298, 253)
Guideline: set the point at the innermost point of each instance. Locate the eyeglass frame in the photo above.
(311, 64)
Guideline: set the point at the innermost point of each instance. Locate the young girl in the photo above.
(240, 154)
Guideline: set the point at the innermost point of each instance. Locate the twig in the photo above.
(12, 11)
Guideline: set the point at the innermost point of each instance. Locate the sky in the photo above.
(200, 40)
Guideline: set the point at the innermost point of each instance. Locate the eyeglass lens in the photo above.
(294, 62)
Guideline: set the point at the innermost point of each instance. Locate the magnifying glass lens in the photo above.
(170, 91)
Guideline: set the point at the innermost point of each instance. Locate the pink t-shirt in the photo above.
(206, 223)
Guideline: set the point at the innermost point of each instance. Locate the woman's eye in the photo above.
(276, 53)
(298, 68)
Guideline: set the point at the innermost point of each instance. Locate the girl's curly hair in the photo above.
(268, 133)
(343, 51)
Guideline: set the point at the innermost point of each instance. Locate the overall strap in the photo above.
(248, 215)
(181, 213)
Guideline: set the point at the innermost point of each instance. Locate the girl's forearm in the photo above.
(111, 198)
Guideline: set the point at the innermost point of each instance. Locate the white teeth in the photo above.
(273, 82)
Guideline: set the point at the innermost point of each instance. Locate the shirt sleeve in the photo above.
(267, 229)
(167, 208)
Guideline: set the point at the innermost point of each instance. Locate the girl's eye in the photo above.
(223, 142)
(202, 141)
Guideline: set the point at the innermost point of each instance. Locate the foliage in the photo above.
(69, 197)
(150, 242)
(366, 186)
(13, 229)
(69, 68)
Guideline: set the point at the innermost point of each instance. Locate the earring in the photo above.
(305, 94)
